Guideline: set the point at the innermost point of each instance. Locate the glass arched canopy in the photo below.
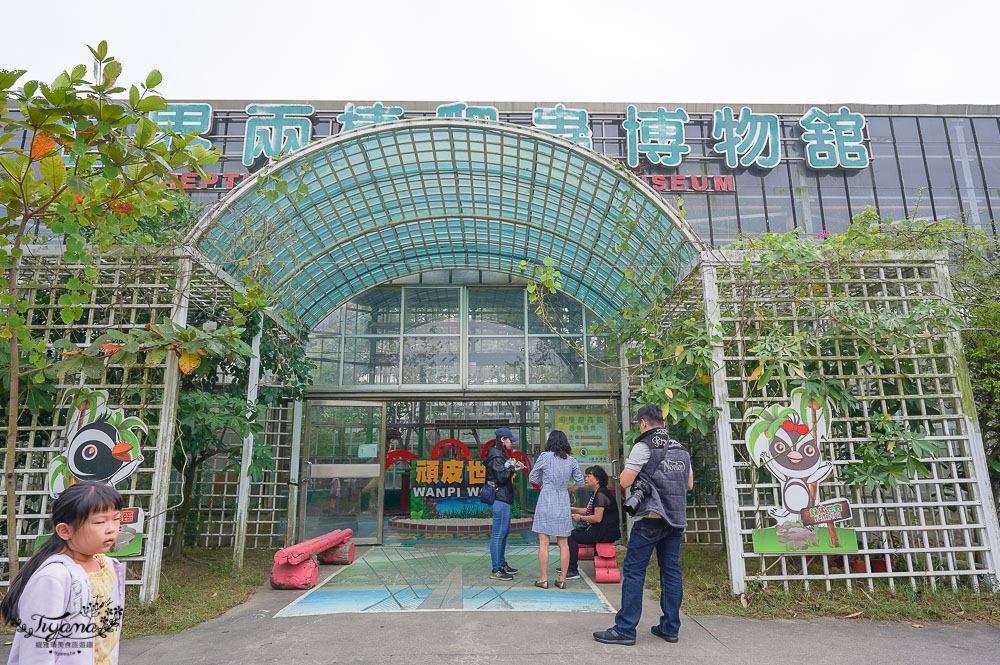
(375, 204)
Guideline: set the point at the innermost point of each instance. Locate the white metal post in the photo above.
(626, 422)
(988, 508)
(981, 471)
(243, 491)
(293, 474)
(164, 446)
(626, 395)
(723, 435)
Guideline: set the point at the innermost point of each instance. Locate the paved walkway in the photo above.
(287, 628)
(252, 634)
(419, 579)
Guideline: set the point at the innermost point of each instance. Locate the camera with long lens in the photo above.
(640, 490)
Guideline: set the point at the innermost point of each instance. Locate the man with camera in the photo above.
(658, 470)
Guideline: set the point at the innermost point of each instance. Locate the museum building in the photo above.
(403, 252)
(450, 353)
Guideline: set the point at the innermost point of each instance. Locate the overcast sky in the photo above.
(666, 51)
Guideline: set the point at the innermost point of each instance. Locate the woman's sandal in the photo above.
(560, 584)
(544, 584)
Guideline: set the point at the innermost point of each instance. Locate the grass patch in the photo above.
(199, 585)
(707, 591)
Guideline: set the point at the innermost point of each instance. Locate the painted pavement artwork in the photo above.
(403, 579)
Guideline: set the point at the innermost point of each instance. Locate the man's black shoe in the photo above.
(571, 575)
(507, 569)
(501, 574)
(655, 630)
(611, 636)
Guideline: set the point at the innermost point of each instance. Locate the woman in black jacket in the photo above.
(500, 470)
(600, 517)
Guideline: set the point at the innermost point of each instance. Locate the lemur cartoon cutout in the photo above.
(101, 443)
(787, 441)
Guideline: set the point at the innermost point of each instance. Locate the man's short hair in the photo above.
(652, 414)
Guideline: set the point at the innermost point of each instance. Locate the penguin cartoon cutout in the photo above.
(102, 444)
(786, 440)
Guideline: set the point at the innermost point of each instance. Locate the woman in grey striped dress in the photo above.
(554, 469)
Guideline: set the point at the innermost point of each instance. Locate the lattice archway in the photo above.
(399, 198)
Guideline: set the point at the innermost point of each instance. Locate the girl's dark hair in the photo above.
(558, 443)
(78, 502)
(599, 473)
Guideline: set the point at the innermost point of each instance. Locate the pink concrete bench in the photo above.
(605, 564)
(296, 567)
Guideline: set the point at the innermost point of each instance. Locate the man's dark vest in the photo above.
(667, 470)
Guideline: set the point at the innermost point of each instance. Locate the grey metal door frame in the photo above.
(346, 470)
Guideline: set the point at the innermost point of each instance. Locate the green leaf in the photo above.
(123, 358)
(156, 356)
(151, 103)
(9, 78)
(92, 367)
(38, 399)
(145, 132)
(61, 83)
(154, 79)
(112, 71)
(78, 185)
(53, 171)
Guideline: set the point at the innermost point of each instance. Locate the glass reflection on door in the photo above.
(344, 486)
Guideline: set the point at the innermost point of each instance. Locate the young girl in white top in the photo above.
(67, 601)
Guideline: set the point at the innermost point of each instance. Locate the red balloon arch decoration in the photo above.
(406, 456)
(517, 454)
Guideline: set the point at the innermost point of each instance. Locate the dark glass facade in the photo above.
(922, 165)
(927, 166)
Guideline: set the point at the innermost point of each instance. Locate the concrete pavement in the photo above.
(249, 635)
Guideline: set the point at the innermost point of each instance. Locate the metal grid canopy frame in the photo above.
(399, 198)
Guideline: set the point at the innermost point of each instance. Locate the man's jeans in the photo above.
(501, 529)
(647, 535)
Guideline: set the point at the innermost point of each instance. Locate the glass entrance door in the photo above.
(344, 470)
